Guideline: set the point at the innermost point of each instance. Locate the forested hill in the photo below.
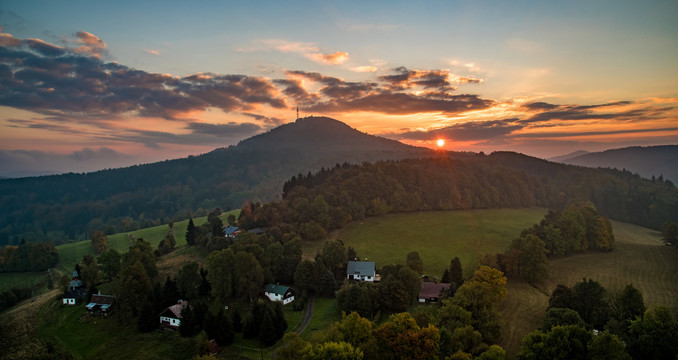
(650, 161)
(62, 207)
(329, 199)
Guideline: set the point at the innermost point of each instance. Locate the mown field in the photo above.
(438, 236)
(640, 258)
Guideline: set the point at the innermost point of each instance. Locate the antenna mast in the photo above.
(297, 113)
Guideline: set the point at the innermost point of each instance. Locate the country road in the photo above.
(307, 317)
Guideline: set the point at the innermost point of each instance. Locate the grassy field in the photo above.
(22, 280)
(70, 254)
(640, 258)
(437, 236)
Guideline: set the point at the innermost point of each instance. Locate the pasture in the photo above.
(438, 236)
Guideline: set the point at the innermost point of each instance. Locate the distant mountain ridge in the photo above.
(67, 206)
(563, 158)
(646, 161)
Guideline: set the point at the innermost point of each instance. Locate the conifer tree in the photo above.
(191, 233)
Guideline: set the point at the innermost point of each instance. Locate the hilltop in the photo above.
(69, 206)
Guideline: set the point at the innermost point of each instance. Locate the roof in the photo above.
(276, 289)
(74, 294)
(364, 268)
(75, 283)
(99, 299)
(176, 308)
(229, 230)
(432, 290)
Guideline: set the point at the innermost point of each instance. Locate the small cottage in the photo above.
(100, 304)
(171, 317)
(280, 293)
(431, 292)
(361, 271)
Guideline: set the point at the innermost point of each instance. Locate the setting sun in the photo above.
(440, 142)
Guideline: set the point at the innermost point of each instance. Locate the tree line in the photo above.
(587, 321)
(28, 257)
(578, 228)
(314, 204)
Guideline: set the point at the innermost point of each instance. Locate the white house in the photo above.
(361, 271)
(280, 293)
(171, 317)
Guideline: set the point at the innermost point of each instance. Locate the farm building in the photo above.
(171, 317)
(361, 271)
(100, 304)
(280, 293)
(431, 292)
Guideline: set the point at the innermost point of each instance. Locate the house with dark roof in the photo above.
(361, 271)
(100, 304)
(431, 292)
(170, 318)
(280, 293)
(72, 297)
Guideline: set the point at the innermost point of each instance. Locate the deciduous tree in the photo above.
(99, 241)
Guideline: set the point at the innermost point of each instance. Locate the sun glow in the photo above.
(440, 142)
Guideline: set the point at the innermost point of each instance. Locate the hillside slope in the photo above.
(646, 161)
(67, 206)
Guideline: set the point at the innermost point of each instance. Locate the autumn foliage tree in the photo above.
(99, 241)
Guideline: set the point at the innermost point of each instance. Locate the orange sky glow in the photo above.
(77, 93)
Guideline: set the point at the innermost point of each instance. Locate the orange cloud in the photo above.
(363, 69)
(89, 44)
(336, 58)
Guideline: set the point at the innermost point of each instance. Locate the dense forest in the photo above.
(70, 206)
(315, 203)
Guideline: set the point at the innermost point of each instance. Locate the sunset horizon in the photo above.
(110, 85)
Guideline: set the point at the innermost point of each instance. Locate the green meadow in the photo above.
(71, 254)
(438, 236)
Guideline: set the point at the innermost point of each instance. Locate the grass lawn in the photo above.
(326, 312)
(438, 236)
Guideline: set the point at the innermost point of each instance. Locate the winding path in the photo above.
(307, 317)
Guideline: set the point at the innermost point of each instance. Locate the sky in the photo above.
(87, 85)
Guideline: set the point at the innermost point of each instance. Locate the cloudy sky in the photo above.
(86, 85)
